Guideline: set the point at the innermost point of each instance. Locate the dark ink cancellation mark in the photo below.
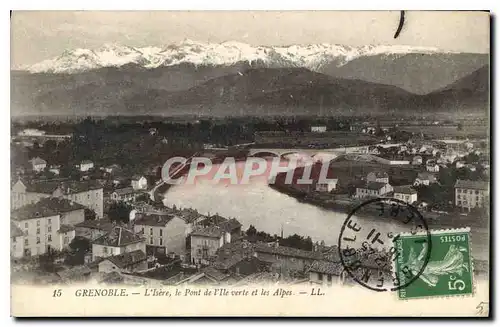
(366, 263)
(401, 23)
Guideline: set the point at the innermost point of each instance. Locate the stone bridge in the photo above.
(315, 154)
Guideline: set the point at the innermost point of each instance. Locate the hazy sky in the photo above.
(42, 35)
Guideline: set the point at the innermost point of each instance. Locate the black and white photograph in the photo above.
(250, 163)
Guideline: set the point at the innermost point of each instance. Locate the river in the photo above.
(271, 211)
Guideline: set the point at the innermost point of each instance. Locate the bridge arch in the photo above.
(261, 154)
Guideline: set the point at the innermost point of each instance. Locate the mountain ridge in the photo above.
(311, 56)
(250, 91)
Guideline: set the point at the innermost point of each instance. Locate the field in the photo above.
(449, 131)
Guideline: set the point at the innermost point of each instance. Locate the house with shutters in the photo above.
(373, 189)
(210, 234)
(471, 194)
(45, 225)
(118, 241)
(38, 164)
(165, 233)
(127, 262)
(86, 165)
(86, 193)
(326, 273)
(405, 193)
(425, 178)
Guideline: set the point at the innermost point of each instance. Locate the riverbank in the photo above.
(345, 206)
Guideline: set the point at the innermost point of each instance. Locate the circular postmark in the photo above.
(370, 241)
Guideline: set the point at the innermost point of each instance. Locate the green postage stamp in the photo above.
(449, 270)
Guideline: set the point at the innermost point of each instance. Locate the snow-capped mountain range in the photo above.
(312, 56)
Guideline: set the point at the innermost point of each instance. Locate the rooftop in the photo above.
(189, 215)
(405, 189)
(232, 253)
(227, 225)
(127, 259)
(214, 273)
(124, 191)
(118, 237)
(327, 267)
(474, 185)
(380, 174)
(102, 224)
(209, 231)
(287, 251)
(153, 219)
(426, 175)
(46, 207)
(374, 185)
(38, 161)
(65, 228)
(66, 187)
(214, 220)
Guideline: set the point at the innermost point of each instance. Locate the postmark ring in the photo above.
(428, 240)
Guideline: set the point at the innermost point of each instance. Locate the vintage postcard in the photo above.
(250, 163)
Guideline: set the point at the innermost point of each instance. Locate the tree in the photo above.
(251, 231)
(80, 244)
(143, 198)
(89, 214)
(79, 247)
(119, 212)
(46, 261)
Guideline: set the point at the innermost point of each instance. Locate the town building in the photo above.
(46, 225)
(378, 176)
(326, 273)
(86, 165)
(55, 169)
(38, 164)
(286, 259)
(139, 183)
(425, 178)
(93, 229)
(126, 194)
(318, 129)
(373, 189)
(205, 241)
(112, 168)
(31, 132)
(432, 167)
(405, 193)
(127, 262)
(210, 234)
(16, 241)
(238, 258)
(417, 160)
(163, 233)
(86, 193)
(471, 194)
(327, 186)
(117, 241)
